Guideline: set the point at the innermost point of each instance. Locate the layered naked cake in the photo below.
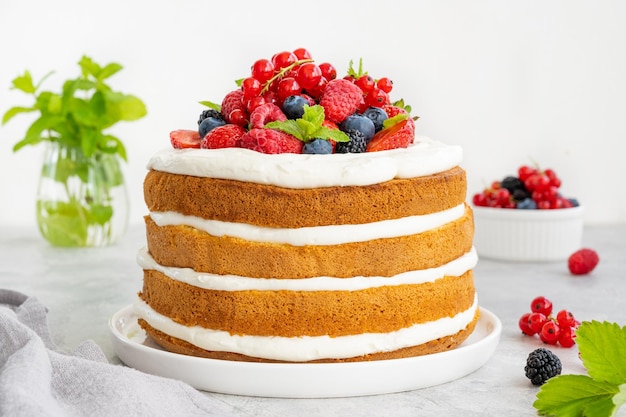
(361, 253)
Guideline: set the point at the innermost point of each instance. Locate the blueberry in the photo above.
(361, 123)
(209, 124)
(318, 146)
(293, 107)
(527, 204)
(574, 202)
(377, 116)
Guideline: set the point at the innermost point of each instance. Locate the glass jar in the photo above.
(81, 201)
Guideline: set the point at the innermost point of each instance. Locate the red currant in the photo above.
(480, 200)
(524, 326)
(565, 318)
(536, 321)
(283, 59)
(309, 75)
(541, 305)
(254, 102)
(287, 87)
(567, 337)
(550, 333)
(316, 92)
(366, 83)
(302, 53)
(525, 171)
(328, 71)
(238, 117)
(377, 98)
(385, 84)
(262, 70)
(251, 87)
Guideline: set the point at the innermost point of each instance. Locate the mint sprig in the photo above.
(602, 348)
(81, 113)
(309, 126)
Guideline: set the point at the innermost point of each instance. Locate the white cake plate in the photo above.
(318, 380)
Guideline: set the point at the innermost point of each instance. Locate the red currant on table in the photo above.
(541, 305)
(536, 321)
(550, 332)
(524, 325)
(565, 318)
(567, 337)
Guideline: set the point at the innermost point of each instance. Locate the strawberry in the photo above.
(583, 261)
(265, 113)
(234, 109)
(392, 110)
(226, 136)
(400, 135)
(340, 99)
(270, 141)
(182, 139)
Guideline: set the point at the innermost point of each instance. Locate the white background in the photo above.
(512, 82)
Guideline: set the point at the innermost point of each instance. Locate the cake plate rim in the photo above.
(304, 380)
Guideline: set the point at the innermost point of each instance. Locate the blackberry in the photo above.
(512, 183)
(542, 365)
(520, 194)
(356, 144)
(210, 113)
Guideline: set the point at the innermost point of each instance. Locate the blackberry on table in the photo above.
(542, 365)
(356, 144)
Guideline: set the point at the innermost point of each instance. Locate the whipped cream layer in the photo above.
(307, 348)
(209, 281)
(316, 235)
(424, 157)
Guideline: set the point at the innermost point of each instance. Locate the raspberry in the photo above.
(270, 141)
(182, 139)
(266, 113)
(226, 136)
(234, 109)
(583, 261)
(542, 365)
(340, 99)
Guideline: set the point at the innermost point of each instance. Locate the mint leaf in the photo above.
(109, 70)
(575, 396)
(24, 83)
(13, 111)
(309, 126)
(211, 105)
(602, 347)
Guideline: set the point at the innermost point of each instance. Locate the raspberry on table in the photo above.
(542, 365)
(583, 261)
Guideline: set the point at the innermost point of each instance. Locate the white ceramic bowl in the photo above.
(527, 235)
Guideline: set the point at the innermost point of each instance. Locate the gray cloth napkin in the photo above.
(37, 380)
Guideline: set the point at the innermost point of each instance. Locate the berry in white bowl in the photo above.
(525, 218)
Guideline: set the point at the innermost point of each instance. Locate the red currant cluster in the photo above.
(530, 189)
(551, 329)
(295, 73)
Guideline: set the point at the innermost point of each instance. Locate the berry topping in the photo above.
(377, 116)
(181, 139)
(542, 365)
(226, 136)
(340, 99)
(583, 261)
(266, 113)
(318, 147)
(276, 94)
(400, 135)
(360, 123)
(270, 141)
(356, 144)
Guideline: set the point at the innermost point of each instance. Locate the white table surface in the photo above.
(83, 288)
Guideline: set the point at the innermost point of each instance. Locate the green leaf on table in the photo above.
(602, 348)
(575, 396)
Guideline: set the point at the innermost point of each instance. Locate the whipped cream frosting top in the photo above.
(422, 158)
